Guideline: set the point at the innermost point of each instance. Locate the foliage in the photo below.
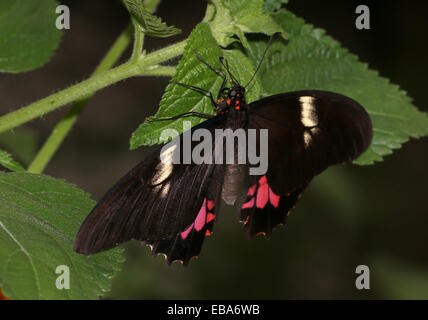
(27, 36)
(39, 215)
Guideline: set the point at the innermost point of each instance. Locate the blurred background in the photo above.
(375, 215)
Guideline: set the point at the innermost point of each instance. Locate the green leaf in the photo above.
(313, 60)
(21, 142)
(39, 218)
(273, 5)
(190, 70)
(230, 18)
(178, 99)
(151, 5)
(149, 24)
(7, 161)
(28, 35)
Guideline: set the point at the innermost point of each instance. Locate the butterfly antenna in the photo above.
(225, 64)
(261, 60)
(219, 72)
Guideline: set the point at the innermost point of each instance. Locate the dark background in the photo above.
(374, 215)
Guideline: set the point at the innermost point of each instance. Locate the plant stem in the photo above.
(89, 86)
(73, 93)
(162, 55)
(63, 127)
(166, 71)
(138, 41)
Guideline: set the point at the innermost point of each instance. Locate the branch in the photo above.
(87, 87)
(63, 127)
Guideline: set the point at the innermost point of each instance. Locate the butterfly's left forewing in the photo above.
(171, 207)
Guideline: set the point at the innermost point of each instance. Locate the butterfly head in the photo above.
(233, 97)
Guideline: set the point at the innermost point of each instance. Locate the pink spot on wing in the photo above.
(251, 190)
(210, 217)
(248, 204)
(273, 198)
(210, 205)
(262, 193)
(262, 180)
(186, 232)
(200, 219)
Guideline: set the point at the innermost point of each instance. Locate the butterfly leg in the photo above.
(219, 72)
(199, 90)
(221, 88)
(182, 115)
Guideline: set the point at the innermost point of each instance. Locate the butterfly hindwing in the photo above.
(187, 243)
(307, 132)
(261, 210)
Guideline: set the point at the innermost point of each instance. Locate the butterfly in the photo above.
(172, 207)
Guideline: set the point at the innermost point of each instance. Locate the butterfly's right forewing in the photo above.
(308, 132)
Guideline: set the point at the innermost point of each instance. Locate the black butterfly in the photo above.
(173, 207)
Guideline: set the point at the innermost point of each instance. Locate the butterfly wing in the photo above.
(262, 210)
(308, 131)
(171, 207)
